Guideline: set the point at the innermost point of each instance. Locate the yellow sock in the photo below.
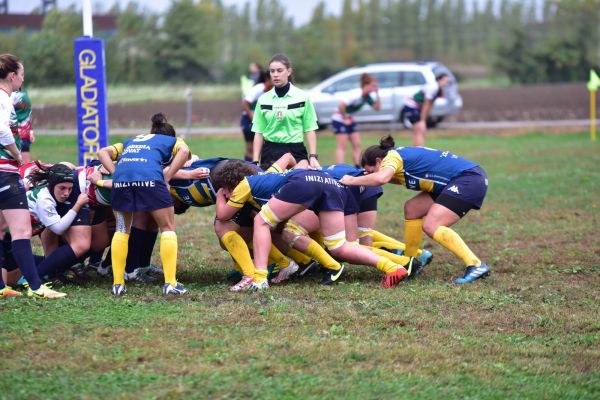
(237, 266)
(402, 260)
(413, 234)
(298, 257)
(278, 258)
(453, 242)
(237, 247)
(318, 237)
(318, 253)
(260, 275)
(119, 247)
(382, 237)
(391, 246)
(386, 266)
(168, 256)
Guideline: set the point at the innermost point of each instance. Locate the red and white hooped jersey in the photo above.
(98, 196)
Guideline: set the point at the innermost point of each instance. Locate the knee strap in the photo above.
(335, 241)
(269, 216)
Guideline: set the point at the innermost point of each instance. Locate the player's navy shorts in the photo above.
(140, 196)
(244, 217)
(83, 216)
(100, 214)
(350, 198)
(246, 125)
(341, 128)
(367, 197)
(413, 115)
(25, 145)
(12, 192)
(464, 192)
(314, 189)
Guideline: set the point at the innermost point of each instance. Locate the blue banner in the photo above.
(92, 112)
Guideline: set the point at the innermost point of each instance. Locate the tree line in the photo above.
(205, 41)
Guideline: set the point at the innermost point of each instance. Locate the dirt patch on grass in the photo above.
(516, 103)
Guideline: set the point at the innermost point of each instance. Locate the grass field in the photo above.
(136, 94)
(531, 330)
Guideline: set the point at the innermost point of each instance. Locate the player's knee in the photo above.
(335, 243)
(430, 226)
(81, 246)
(266, 216)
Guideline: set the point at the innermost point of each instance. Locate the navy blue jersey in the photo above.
(143, 157)
(360, 193)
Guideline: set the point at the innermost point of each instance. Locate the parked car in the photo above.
(396, 81)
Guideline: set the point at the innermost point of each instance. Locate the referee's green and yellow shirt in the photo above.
(284, 119)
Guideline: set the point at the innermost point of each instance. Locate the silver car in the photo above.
(396, 81)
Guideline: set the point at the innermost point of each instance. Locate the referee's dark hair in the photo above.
(160, 126)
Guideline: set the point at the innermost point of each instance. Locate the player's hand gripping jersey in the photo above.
(196, 193)
(99, 196)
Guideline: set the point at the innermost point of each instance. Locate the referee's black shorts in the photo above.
(272, 152)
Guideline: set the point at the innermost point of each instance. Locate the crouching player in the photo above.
(449, 186)
(58, 205)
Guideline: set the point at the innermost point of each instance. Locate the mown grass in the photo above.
(531, 330)
(136, 94)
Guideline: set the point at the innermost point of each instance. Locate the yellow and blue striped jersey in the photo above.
(258, 189)
(424, 169)
(196, 193)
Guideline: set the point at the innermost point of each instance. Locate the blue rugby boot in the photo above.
(425, 258)
(473, 273)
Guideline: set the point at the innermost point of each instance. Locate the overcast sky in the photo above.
(301, 10)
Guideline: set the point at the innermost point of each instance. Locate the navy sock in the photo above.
(149, 238)
(21, 250)
(57, 262)
(107, 260)
(38, 259)
(134, 247)
(2, 285)
(95, 256)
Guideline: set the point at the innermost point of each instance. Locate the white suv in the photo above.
(396, 81)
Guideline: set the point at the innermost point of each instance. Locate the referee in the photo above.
(282, 117)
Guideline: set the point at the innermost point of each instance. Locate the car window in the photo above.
(387, 79)
(411, 78)
(348, 83)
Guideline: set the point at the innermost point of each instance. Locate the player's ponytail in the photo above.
(372, 153)
(51, 175)
(160, 126)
